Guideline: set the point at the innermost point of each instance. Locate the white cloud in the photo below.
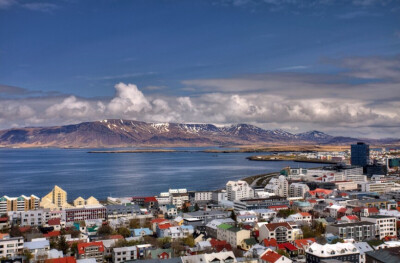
(363, 99)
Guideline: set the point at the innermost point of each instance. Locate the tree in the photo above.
(28, 255)
(74, 248)
(62, 244)
(196, 207)
(177, 247)
(134, 223)
(337, 240)
(123, 231)
(189, 241)
(15, 231)
(283, 253)
(105, 230)
(233, 215)
(286, 212)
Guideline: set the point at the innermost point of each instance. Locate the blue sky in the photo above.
(70, 55)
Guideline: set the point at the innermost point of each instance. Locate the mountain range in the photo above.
(125, 133)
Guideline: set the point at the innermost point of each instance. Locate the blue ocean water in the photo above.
(36, 171)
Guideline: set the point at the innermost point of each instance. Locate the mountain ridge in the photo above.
(125, 133)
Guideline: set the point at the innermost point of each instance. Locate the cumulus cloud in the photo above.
(363, 99)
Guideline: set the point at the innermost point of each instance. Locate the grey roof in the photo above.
(388, 255)
(170, 260)
(37, 244)
(361, 223)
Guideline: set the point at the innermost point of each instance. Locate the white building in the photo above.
(10, 247)
(339, 251)
(38, 247)
(237, 190)
(378, 187)
(363, 247)
(122, 254)
(358, 178)
(384, 225)
(278, 185)
(298, 190)
(203, 196)
(226, 257)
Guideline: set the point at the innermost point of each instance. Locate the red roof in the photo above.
(270, 242)
(356, 209)
(304, 214)
(24, 229)
(61, 260)
(342, 210)
(220, 245)
(54, 221)
(287, 246)
(278, 207)
(52, 234)
(150, 199)
(300, 243)
(3, 219)
(270, 256)
(313, 201)
(164, 226)
(158, 220)
(352, 217)
(82, 246)
(373, 210)
(320, 191)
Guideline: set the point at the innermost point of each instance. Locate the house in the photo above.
(363, 248)
(122, 254)
(339, 251)
(211, 227)
(141, 232)
(383, 255)
(248, 243)
(289, 248)
(38, 247)
(303, 244)
(159, 253)
(150, 202)
(270, 256)
(170, 210)
(156, 221)
(91, 250)
(318, 193)
(349, 219)
(282, 232)
(233, 235)
(220, 245)
(303, 218)
(265, 214)
(270, 243)
(55, 223)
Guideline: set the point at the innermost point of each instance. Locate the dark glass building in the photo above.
(360, 154)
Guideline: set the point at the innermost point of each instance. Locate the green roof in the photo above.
(224, 226)
(250, 241)
(234, 229)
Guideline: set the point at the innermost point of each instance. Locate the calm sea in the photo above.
(36, 171)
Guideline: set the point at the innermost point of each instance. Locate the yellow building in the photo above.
(57, 198)
(21, 203)
(81, 201)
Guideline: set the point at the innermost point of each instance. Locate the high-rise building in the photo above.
(57, 198)
(21, 203)
(298, 190)
(237, 190)
(278, 185)
(360, 154)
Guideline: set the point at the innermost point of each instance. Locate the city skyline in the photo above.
(294, 65)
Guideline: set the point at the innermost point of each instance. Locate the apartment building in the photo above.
(358, 230)
(203, 196)
(11, 247)
(303, 218)
(91, 250)
(21, 203)
(85, 213)
(298, 190)
(384, 225)
(122, 254)
(281, 232)
(233, 235)
(342, 252)
(237, 190)
(346, 185)
(278, 186)
(122, 211)
(57, 198)
(378, 187)
(260, 203)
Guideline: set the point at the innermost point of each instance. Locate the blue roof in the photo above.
(187, 226)
(138, 231)
(170, 206)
